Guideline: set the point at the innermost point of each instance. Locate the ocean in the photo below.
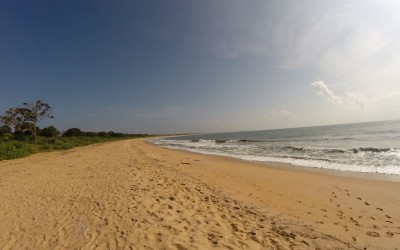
(372, 147)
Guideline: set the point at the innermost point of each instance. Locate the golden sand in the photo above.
(130, 194)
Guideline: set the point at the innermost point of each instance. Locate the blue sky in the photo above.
(202, 66)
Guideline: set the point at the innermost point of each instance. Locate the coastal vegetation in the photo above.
(21, 136)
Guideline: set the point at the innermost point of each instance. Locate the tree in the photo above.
(102, 134)
(50, 131)
(73, 132)
(26, 118)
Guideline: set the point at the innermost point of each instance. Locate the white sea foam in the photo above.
(365, 160)
(364, 147)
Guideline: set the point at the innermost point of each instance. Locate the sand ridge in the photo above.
(131, 195)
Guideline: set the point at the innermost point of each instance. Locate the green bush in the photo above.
(5, 130)
(6, 137)
(45, 147)
(50, 131)
(73, 132)
(12, 150)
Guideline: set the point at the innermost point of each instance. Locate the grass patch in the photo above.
(22, 148)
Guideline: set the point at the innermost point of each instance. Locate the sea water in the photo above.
(372, 147)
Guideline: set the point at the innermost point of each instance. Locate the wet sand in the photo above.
(130, 194)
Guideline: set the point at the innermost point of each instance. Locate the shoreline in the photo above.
(346, 206)
(135, 194)
(290, 166)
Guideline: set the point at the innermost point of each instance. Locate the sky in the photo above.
(183, 66)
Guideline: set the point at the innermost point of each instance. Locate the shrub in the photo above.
(22, 136)
(5, 130)
(6, 137)
(45, 147)
(102, 134)
(12, 150)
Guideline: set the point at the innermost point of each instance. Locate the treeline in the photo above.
(7, 133)
(20, 134)
(77, 132)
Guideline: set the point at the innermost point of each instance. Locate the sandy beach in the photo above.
(134, 195)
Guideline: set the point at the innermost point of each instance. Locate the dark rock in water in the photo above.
(375, 150)
(195, 140)
(370, 149)
(220, 141)
(336, 151)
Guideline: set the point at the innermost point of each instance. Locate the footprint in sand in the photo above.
(366, 203)
(354, 221)
(380, 209)
(373, 234)
(387, 216)
(389, 234)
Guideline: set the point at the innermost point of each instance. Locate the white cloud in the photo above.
(352, 100)
(351, 40)
(357, 100)
(322, 90)
(280, 115)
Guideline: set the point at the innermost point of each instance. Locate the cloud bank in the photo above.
(352, 100)
(280, 115)
(322, 90)
(357, 100)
